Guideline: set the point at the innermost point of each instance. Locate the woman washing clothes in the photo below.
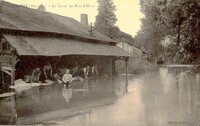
(35, 76)
(48, 71)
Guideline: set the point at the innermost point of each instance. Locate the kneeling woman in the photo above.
(35, 77)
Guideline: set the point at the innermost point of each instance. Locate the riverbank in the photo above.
(140, 66)
(196, 69)
(137, 66)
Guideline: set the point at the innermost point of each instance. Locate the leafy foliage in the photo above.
(176, 19)
(151, 32)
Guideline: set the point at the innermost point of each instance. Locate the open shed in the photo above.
(30, 37)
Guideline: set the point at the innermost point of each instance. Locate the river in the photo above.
(169, 96)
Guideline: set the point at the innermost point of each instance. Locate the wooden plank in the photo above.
(6, 60)
(6, 57)
(7, 94)
(9, 73)
(7, 65)
(7, 69)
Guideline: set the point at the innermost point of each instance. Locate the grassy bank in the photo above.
(135, 66)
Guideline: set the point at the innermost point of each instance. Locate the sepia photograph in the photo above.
(100, 62)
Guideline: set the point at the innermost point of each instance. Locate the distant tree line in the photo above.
(171, 30)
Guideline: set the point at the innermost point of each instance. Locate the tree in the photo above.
(176, 19)
(152, 32)
(105, 22)
(106, 18)
(183, 20)
(41, 7)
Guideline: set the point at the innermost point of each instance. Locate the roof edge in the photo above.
(53, 34)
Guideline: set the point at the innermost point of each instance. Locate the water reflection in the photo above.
(171, 99)
(31, 101)
(169, 96)
(67, 94)
(8, 112)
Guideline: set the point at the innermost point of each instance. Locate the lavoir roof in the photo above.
(34, 32)
(50, 46)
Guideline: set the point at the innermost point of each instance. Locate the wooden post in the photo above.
(14, 62)
(2, 79)
(113, 67)
(113, 76)
(13, 76)
(126, 60)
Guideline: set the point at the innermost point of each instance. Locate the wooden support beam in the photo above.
(14, 62)
(113, 67)
(126, 62)
(8, 63)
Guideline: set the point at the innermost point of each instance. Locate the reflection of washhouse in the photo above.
(120, 89)
(8, 112)
(92, 85)
(31, 101)
(39, 100)
(91, 90)
(86, 87)
(10, 107)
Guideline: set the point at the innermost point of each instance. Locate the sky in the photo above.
(128, 11)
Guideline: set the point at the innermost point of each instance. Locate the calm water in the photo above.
(166, 97)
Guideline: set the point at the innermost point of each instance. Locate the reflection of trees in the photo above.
(198, 88)
(177, 103)
(188, 91)
(39, 100)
